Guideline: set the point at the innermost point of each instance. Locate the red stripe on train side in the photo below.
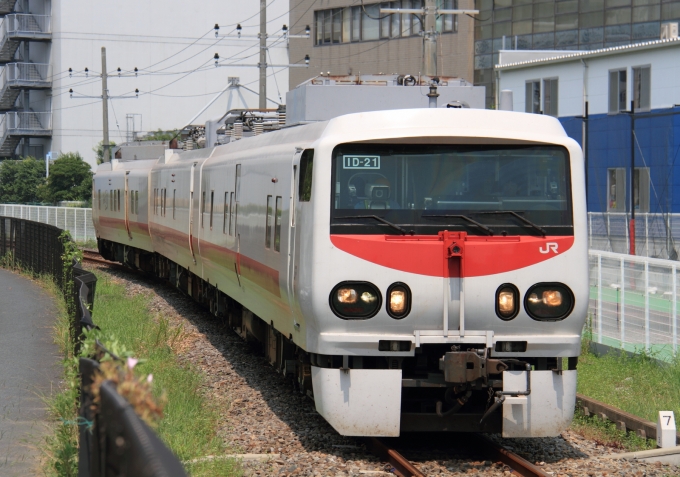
(424, 255)
(136, 227)
(258, 273)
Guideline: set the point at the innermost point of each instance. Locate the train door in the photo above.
(126, 198)
(237, 232)
(191, 210)
(293, 243)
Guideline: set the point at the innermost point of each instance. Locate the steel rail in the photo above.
(401, 466)
(94, 257)
(519, 465)
(623, 420)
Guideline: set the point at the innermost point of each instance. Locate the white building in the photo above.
(171, 43)
(560, 82)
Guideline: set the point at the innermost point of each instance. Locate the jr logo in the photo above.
(548, 247)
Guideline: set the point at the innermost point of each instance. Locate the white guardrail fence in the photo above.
(634, 303)
(78, 221)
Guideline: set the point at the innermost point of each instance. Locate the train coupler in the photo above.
(469, 366)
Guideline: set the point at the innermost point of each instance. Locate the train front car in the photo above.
(444, 280)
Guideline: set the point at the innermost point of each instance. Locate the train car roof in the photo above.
(493, 125)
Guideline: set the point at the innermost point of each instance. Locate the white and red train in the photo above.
(414, 270)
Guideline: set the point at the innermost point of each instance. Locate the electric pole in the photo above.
(429, 14)
(263, 54)
(430, 39)
(105, 108)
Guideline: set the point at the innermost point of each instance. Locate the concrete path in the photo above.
(29, 368)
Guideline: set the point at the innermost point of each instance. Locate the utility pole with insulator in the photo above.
(430, 39)
(105, 108)
(263, 54)
(429, 13)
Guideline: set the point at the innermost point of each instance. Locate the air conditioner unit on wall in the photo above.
(669, 30)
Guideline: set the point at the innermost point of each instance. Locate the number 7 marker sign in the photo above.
(665, 429)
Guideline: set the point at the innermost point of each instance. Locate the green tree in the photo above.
(20, 180)
(99, 151)
(70, 179)
(160, 135)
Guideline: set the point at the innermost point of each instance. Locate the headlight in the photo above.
(507, 301)
(398, 300)
(549, 301)
(346, 295)
(355, 300)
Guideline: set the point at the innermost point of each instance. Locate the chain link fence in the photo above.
(78, 221)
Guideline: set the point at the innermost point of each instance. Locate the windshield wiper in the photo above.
(515, 214)
(379, 219)
(467, 219)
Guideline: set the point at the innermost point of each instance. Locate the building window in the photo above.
(641, 189)
(533, 97)
(642, 87)
(617, 91)
(550, 97)
(366, 23)
(616, 190)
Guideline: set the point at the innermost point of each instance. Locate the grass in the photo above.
(640, 384)
(189, 423)
(606, 433)
(91, 243)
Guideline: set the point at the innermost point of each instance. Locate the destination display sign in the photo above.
(360, 162)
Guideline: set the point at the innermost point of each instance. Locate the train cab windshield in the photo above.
(423, 189)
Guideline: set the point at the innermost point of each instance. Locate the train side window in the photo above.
(165, 201)
(231, 212)
(155, 199)
(118, 199)
(293, 206)
(237, 193)
(212, 203)
(132, 202)
(136, 202)
(277, 225)
(174, 195)
(99, 199)
(202, 211)
(305, 181)
(225, 211)
(268, 224)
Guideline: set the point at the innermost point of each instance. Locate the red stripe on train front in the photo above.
(426, 254)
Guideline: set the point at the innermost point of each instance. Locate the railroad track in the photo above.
(404, 468)
(92, 256)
